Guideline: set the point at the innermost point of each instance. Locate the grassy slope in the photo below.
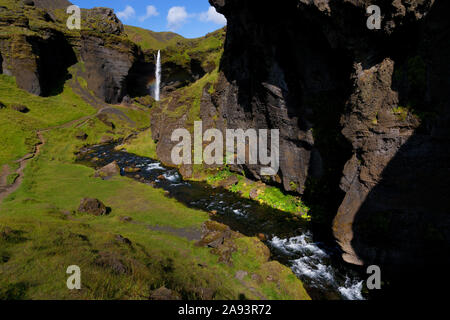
(142, 145)
(152, 40)
(48, 235)
(18, 130)
(207, 49)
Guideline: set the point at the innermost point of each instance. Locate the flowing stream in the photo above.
(317, 264)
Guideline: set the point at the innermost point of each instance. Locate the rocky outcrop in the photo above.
(92, 206)
(189, 60)
(106, 67)
(108, 171)
(363, 115)
(37, 55)
(37, 48)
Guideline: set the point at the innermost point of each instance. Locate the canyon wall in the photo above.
(37, 48)
(363, 115)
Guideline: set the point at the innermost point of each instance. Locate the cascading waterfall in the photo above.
(158, 76)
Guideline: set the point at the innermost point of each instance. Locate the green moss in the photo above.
(189, 99)
(221, 175)
(401, 112)
(293, 186)
(83, 83)
(270, 196)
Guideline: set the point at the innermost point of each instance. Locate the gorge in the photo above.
(363, 120)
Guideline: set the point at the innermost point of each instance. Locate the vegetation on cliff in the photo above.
(150, 40)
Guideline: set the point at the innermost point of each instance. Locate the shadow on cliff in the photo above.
(55, 56)
(404, 223)
(314, 82)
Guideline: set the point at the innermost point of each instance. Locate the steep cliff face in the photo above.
(37, 48)
(363, 115)
(36, 54)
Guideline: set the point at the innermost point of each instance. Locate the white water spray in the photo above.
(158, 76)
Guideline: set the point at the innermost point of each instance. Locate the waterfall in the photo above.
(158, 76)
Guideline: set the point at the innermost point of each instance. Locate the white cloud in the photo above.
(151, 12)
(176, 17)
(127, 13)
(213, 16)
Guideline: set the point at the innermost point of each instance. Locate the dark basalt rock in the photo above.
(363, 116)
(103, 20)
(39, 56)
(38, 63)
(106, 67)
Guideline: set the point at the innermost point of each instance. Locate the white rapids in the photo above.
(309, 261)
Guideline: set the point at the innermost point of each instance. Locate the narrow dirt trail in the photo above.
(5, 189)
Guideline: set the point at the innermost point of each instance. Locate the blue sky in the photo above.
(190, 18)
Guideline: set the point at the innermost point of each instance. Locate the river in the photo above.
(317, 264)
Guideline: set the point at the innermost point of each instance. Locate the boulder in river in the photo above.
(262, 236)
(106, 139)
(131, 170)
(108, 171)
(92, 206)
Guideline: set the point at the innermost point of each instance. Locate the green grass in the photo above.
(143, 145)
(41, 234)
(18, 131)
(152, 40)
(208, 50)
(270, 196)
(11, 178)
(50, 241)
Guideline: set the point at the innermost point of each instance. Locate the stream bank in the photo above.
(316, 264)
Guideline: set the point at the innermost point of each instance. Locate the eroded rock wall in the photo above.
(37, 48)
(366, 107)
